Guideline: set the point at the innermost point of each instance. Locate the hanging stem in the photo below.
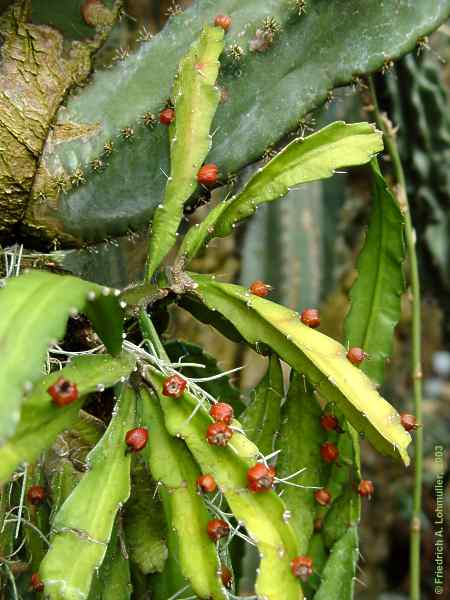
(400, 192)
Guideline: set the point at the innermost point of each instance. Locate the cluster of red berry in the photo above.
(330, 453)
(220, 433)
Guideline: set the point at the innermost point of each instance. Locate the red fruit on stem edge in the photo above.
(63, 392)
(37, 583)
(260, 478)
(356, 355)
(222, 412)
(409, 422)
(318, 524)
(329, 452)
(208, 175)
(226, 576)
(329, 422)
(136, 439)
(89, 11)
(310, 317)
(207, 483)
(322, 497)
(366, 488)
(301, 567)
(217, 528)
(223, 21)
(259, 288)
(219, 434)
(166, 116)
(174, 386)
(36, 495)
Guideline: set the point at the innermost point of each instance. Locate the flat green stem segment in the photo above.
(320, 358)
(305, 159)
(201, 233)
(300, 438)
(376, 294)
(171, 464)
(25, 333)
(261, 419)
(113, 580)
(337, 580)
(262, 514)
(41, 420)
(196, 99)
(144, 525)
(416, 333)
(83, 526)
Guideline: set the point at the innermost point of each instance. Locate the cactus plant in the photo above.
(306, 543)
(94, 178)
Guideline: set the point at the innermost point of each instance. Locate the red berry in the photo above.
(409, 422)
(217, 528)
(329, 422)
(323, 497)
(207, 483)
(223, 21)
(310, 317)
(318, 524)
(226, 576)
(208, 175)
(356, 355)
(259, 288)
(136, 439)
(329, 452)
(301, 567)
(260, 478)
(174, 386)
(37, 583)
(63, 392)
(166, 116)
(222, 412)
(90, 10)
(219, 434)
(366, 488)
(36, 495)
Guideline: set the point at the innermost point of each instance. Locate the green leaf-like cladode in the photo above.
(376, 294)
(261, 419)
(25, 335)
(144, 525)
(300, 438)
(305, 159)
(196, 100)
(320, 358)
(190, 549)
(113, 579)
(83, 526)
(263, 515)
(41, 420)
(375, 310)
(336, 584)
